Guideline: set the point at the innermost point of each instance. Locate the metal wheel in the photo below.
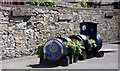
(75, 58)
(71, 59)
(84, 56)
(67, 61)
(100, 54)
(42, 60)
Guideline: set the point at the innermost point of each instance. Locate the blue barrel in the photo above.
(84, 37)
(68, 39)
(98, 43)
(54, 49)
(77, 38)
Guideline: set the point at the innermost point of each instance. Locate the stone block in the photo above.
(41, 11)
(21, 13)
(11, 37)
(3, 26)
(109, 14)
(19, 19)
(51, 26)
(32, 42)
(40, 17)
(4, 18)
(4, 37)
(72, 26)
(39, 26)
(55, 18)
(29, 33)
(11, 27)
(21, 26)
(6, 13)
(64, 25)
(118, 19)
(37, 35)
(17, 38)
(30, 25)
(53, 12)
(19, 33)
(65, 17)
(88, 17)
(33, 19)
(77, 25)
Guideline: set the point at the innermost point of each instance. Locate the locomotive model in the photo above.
(57, 51)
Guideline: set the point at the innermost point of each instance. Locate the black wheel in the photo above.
(42, 60)
(66, 61)
(83, 56)
(90, 54)
(71, 59)
(75, 58)
(100, 54)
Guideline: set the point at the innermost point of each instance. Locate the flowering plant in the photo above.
(40, 49)
(91, 42)
(74, 48)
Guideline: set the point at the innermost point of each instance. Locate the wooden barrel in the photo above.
(55, 49)
(76, 37)
(98, 43)
(65, 39)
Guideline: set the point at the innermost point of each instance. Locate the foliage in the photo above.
(41, 3)
(84, 4)
(91, 42)
(40, 49)
(105, 3)
(74, 48)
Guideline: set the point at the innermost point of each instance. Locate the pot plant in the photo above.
(39, 51)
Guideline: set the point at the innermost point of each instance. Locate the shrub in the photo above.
(91, 42)
(52, 4)
(40, 49)
(74, 48)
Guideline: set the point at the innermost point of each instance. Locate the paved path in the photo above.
(109, 61)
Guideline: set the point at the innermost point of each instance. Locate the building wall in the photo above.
(22, 28)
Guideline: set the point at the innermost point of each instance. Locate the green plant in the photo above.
(84, 3)
(74, 48)
(40, 49)
(91, 42)
(41, 3)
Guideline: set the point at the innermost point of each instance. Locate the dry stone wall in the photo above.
(22, 28)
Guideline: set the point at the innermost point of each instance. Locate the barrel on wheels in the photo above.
(55, 50)
(78, 56)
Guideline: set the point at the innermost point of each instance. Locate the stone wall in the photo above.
(22, 28)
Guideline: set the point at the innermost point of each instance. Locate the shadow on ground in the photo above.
(116, 43)
(53, 66)
(42, 66)
(108, 51)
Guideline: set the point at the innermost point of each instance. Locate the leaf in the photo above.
(74, 48)
(40, 49)
(41, 3)
(91, 42)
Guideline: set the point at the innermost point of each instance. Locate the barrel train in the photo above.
(55, 51)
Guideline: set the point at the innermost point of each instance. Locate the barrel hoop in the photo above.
(62, 49)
